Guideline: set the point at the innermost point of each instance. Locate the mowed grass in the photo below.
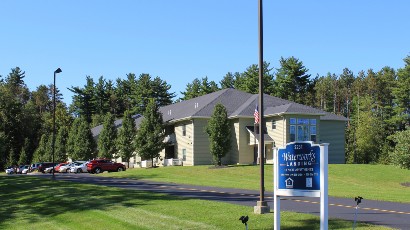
(374, 182)
(28, 202)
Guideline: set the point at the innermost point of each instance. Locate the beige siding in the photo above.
(279, 134)
(202, 155)
(184, 142)
(333, 132)
(245, 150)
(233, 156)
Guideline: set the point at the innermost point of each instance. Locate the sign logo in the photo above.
(299, 166)
(289, 183)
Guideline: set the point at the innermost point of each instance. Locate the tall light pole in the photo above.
(53, 144)
(261, 205)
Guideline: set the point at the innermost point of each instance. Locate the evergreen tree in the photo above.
(84, 103)
(402, 96)
(72, 138)
(150, 136)
(61, 144)
(41, 155)
(3, 153)
(292, 80)
(369, 138)
(80, 143)
(23, 159)
(192, 90)
(219, 133)
(248, 81)
(228, 81)
(107, 139)
(126, 136)
(324, 92)
(85, 146)
(12, 158)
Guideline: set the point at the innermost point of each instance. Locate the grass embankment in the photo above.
(375, 182)
(29, 202)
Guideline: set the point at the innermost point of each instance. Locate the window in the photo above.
(292, 133)
(184, 130)
(313, 133)
(183, 154)
(302, 129)
(273, 124)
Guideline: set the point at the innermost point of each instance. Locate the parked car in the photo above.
(79, 168)
(25, 169)
(20, 169)
(101, 165)
(48, 170)
(57, 168)
(34, 166)
(10, 170)
(66, 168)
(45, 165)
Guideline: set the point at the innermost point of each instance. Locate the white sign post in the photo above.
(301, 169)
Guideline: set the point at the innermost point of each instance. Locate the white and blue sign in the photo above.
(301, 169)
(299, 166)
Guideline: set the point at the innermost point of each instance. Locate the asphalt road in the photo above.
(395, 215)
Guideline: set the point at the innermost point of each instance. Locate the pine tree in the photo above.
(292, 80)
(150, 136)
(126, 136)
(228, 81)
(85, 146)
(219, 133)
(61, 144)
(23, 159)
(107, 139)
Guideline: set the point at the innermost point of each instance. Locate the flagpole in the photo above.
(261, 206)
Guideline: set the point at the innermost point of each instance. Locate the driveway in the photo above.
(395, 215)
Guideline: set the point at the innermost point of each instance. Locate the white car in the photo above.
(82, 168)
(66, 168)
(10, 170)
(48, 170)
(26, 169)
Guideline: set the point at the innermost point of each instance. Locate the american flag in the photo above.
(256, 115)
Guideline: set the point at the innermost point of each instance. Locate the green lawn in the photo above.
(28, 202)
(375, 182)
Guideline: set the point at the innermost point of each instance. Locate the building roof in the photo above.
(117, 123)
(238, 104)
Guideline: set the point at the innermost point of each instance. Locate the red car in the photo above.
(101, 165)
(56, 168)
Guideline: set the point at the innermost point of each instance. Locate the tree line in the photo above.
(377, 104)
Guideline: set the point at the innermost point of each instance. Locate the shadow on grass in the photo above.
(35, 198)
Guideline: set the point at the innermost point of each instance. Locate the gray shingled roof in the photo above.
(118, 123)
(237, 104)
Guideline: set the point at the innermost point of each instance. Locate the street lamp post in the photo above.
(54, 118)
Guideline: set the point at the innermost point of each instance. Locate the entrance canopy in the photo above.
(254, 138)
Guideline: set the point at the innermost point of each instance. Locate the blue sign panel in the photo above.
(299, 166)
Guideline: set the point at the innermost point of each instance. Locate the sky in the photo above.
(181, 40)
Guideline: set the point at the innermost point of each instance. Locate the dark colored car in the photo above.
(101, 165)
(45, 165)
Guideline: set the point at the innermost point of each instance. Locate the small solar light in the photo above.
(244, 220)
